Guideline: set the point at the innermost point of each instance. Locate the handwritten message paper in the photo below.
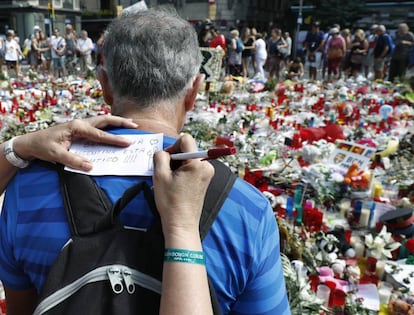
(135, 160)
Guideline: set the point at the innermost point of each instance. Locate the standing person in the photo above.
(288, 50)
(314, 44)
(369, 60)
(58, 44)
(260, 56)
(275, 46)
(335, 54)
(404, 42)
(84, 47)
(71, 41)
(248, 51)
(45, 53)
(155, 88)
(2, 52)
(359, 50)
(12, 54)
(170, 191)
(234, 51)
(346, 35)
(204, 35)
(381, 51)
(34, 54)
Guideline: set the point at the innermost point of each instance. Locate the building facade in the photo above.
(23, 15)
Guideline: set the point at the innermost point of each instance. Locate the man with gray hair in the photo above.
(150, 75)
(84, 46)
(381, 51)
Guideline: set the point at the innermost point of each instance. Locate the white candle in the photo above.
(380, 269)
(359, 249)
(344, 206)
(364, 217)
(384, 295)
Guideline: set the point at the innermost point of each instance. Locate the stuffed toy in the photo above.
(355, 178)
(397, 307)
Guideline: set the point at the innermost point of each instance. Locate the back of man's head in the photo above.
(150, 56)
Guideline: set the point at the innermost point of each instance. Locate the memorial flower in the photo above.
(381, 245)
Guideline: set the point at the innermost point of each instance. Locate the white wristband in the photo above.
(12, 157)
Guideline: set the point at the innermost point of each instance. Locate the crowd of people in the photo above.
(373, 53)
(329, 55)
(55, 56)
(248, 50)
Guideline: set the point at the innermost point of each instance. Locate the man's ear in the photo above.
(106, 89)
(191, 95)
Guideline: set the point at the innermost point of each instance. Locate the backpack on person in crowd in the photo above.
(239, 45)
(106, 268)
(391, 44)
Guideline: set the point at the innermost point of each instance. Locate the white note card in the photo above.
(135, 160)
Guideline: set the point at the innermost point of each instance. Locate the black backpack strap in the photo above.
(217, 192)
(88, 209)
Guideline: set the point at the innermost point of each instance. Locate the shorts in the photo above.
(317, 62)
(11, 63)
(379, 64)
(59, 63)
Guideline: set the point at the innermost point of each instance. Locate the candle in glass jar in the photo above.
(344, 206)
(380, 269)
(359, 249)
(364, 217)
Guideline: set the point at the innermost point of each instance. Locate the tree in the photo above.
(344, 13)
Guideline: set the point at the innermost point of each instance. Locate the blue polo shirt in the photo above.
(242, 246)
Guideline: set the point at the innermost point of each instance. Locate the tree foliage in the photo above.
(344, 13)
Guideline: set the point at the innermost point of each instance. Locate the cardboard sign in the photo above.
(211, 65)
(347, 153)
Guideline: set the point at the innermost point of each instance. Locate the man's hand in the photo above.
(52, 144)
(180, 193)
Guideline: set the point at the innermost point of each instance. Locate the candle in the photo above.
(359, 249)
(380, 269)
(344, 206)
(323, 292)
(364, 217)
(384, 295)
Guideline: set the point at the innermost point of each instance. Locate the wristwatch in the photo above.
(12, 157)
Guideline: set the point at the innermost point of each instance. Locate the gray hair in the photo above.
(150, 56)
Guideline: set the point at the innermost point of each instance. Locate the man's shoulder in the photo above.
(245, 199)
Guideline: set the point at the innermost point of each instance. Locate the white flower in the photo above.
(382, 245)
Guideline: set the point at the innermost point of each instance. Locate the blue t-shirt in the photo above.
(242, 246)
(314, 40)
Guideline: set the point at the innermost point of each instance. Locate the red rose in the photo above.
(410, 246)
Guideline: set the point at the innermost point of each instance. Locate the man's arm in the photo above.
(52, 144)
(20, 302)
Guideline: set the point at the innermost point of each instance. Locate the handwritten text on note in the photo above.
(135, 160)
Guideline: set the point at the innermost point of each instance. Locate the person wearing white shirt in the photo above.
(85, 47)
(260, 56)
(12, 53)
(58, 53)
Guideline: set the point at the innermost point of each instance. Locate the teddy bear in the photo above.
(357, 179)
(399, 307)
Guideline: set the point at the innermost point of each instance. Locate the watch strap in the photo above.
(12, 157)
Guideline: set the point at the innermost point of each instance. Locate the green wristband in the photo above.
(184, 256)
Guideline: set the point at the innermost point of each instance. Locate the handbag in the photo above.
(356, 58)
